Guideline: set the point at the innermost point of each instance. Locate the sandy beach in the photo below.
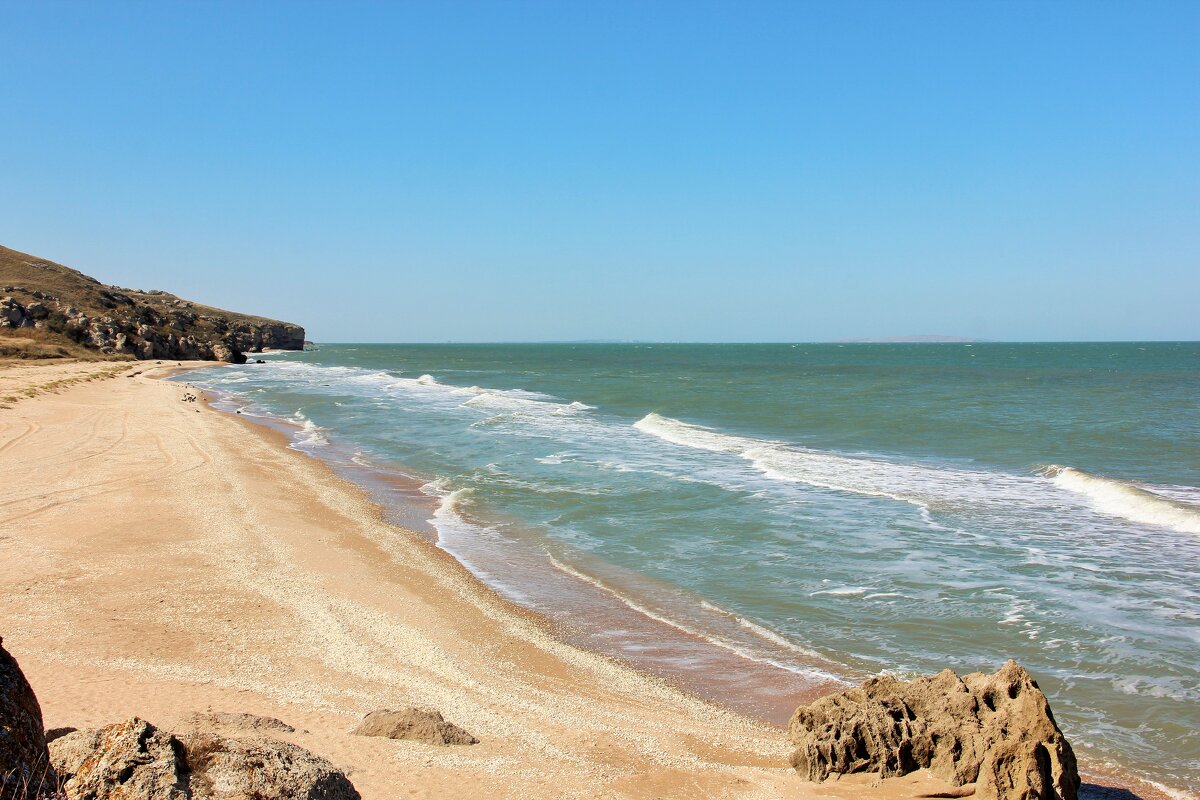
(158, 558)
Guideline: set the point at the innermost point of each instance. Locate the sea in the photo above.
(764, 523)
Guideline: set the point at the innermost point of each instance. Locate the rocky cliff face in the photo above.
(61, 302)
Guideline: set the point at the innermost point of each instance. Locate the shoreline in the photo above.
(555, 720)
(184, 562)
(379, 480)
(598, 615)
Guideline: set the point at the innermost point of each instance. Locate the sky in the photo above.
(528, 171)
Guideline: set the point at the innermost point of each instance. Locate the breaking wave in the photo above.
(1126, 500)
(939, 488)
(310, 434)
(923, 486)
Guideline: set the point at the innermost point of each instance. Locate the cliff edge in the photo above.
(49, 310)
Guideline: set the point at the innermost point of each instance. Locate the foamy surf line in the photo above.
(451, 523)
(932, 488)
(1126, 500)
(916, 484)
(807, 671)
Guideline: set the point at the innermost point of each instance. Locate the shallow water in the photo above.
(762, 521)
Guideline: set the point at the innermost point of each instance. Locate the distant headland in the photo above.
(927, 339)
(48, 310)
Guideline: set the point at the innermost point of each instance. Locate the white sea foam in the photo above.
(452, 501)
(744, 652)
(311, 434)
(494, 400)
(942, 488)
(843, 591)
(1126, 500)
(761, 631)
(1174, 794)
(920, 485)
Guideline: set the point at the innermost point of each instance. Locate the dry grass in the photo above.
(34, 343)
(93, 372)
(26, 272)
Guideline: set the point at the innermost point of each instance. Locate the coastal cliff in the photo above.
(50, 310)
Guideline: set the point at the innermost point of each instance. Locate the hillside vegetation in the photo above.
(48, 310)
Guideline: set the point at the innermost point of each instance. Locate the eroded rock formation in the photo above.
(133, 759)
(995, 731)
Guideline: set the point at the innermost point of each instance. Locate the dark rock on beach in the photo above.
(25, 770)
(413, 724)
(994, 731)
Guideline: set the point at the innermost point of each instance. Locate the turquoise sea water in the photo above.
(771, 517)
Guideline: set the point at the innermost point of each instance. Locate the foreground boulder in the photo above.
(995, 731)
(263, 769)
(414, 724)
(133, 760)
(25, 770)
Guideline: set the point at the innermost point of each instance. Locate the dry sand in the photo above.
(159, 558)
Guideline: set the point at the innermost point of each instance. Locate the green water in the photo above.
(832, 510)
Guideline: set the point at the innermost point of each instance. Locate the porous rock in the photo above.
(130, 759)
(995, 731)
(414, 724)
(133, 760)
(25, 770)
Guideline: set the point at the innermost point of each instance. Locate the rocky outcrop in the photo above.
(68, 305)
(13, 314)
(25, 770)
(413, 724)
(995, 731)
(134, 760)
(131, 759)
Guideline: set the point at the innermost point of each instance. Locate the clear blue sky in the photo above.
(670, 171)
